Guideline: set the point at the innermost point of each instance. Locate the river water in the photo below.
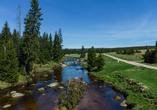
(95, 99)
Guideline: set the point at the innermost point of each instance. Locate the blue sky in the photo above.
(98, 23)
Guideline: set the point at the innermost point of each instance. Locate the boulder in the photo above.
(52, 84)
(75, 78)
(123, 104)
(34, 84)
(41, 89)
(17, 95)
(60, 87)
(76, 69)
(117, 98)
(75, 62)
(67, 63)
(12, 92)
(85, 72)
(45, 75)
(6, 106)
(50, 71)
(63, 65)
(45, 81)
(100, 86)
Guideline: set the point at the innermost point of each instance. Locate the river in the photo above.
(95, 99)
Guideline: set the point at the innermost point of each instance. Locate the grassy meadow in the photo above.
(138, 59)
(138, 84)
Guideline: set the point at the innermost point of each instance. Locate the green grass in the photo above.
(125, 78)
(44, 67)
(77, 55)
(139, 57)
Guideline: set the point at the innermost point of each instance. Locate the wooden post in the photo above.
(69, 82)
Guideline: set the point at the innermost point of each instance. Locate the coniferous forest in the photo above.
(16, 59)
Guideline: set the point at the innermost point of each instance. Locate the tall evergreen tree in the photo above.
(60, 35)
(57, 48)
(91, 58)
(61, 40)
(5, 34)
(100, 62)
(9, 63)
(16, 40)
(31, 33)
(82, 52)
(50, 45)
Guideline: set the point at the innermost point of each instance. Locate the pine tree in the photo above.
(146, 56)
(82, 52)
(50, 45)
(16, 40)
(5, 34)
(100, 62)
(9, 63)
(57, 48)
(31, 33)
(91, 58)
(61, 40)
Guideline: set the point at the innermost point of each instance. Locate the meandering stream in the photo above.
(95, 99)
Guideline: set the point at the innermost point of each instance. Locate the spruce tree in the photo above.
(9, 63)
(100, 62)
(16, 40)
(57, 48)
(5, 34)
(50, 45)
(91, 58)
(31, 33)
(82, 52)
(61, 40)
(146, 56)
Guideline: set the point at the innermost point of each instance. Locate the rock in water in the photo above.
(6, 106)
(123, 104)
(41, 89)
(117, 98)
(17, 95)
(34, 84)
(45, 81)
(75, 78)
(100, 86)
(52, 84)
(12, 92)
(61, 87)
(50, 71)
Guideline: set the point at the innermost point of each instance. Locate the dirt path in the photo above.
(133, 63)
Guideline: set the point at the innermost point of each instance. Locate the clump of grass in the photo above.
(75, 91)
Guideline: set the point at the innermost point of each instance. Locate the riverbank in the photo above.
(37, 68)
(138, 84)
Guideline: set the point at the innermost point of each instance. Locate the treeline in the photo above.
(105, 50)
(128, 52)
(18, 58)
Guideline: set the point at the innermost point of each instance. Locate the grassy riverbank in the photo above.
(137, 83)
(22, 79)
(77, 55)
